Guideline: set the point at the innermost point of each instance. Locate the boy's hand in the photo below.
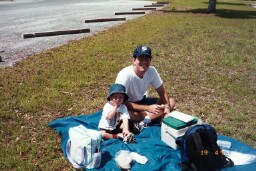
(125, 132)
(114, 104)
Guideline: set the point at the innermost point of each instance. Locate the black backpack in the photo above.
(200, 151)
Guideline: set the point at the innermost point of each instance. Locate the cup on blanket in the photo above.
(123, 160)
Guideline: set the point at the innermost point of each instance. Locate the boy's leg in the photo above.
(108, 134)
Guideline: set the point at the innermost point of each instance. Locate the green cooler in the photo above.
(173, 128)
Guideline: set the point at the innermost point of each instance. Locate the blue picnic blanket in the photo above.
(148, 143)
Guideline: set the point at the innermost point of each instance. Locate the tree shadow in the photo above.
(231, 14)
(224, 13)
(227, 3)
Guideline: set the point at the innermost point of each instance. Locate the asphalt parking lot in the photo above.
(27, 16)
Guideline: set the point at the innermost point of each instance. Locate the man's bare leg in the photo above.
(137, 116)
(172, 104)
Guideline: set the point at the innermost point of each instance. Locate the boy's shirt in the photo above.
(122, 113)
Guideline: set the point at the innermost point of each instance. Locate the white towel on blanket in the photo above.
(240, 158)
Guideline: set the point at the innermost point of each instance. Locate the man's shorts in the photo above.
(147, 101)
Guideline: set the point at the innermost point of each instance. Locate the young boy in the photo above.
(114, 122)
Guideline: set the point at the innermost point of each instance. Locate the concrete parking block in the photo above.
(55, 33)
(129, 13)
(104, 20)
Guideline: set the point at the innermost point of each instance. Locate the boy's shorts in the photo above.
(114, 131)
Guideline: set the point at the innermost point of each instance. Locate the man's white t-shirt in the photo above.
(122, 113)
(137, 87)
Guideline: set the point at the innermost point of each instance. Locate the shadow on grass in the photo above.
(232, 14)
(227, 3)
(225, 13)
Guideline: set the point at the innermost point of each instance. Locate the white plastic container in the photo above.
(224, 144)
(173, 128)
(168, 137)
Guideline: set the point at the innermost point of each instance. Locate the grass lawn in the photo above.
(207, 61)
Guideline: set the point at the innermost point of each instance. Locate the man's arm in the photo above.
(136, 107)
(163, 99)
(154, 108)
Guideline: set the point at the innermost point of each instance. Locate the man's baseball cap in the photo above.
(142, 50)
(117, 88)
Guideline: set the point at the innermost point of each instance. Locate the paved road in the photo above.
(30, 16)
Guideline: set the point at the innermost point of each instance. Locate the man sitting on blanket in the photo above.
(136, 79)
